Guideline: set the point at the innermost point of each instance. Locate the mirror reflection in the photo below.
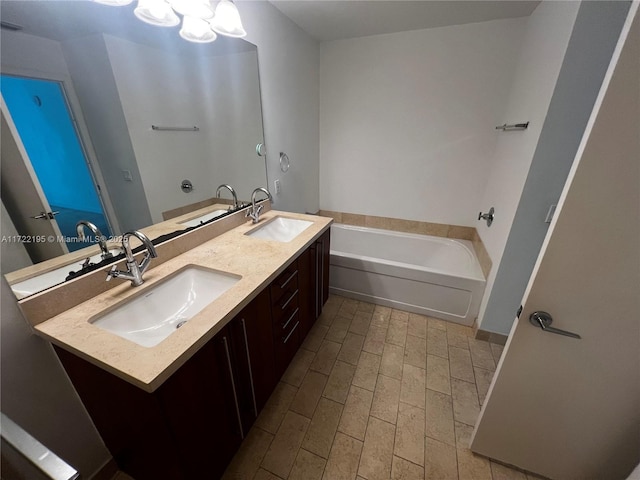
(120, 124)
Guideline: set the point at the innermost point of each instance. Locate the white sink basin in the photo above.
(280, 229)
(158, 311)
(54, 277)
(194, 222)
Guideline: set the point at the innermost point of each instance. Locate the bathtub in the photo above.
(434, 276)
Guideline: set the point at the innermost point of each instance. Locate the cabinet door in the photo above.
(325, 247)
(251, 336)
(307, 295)
(201, 411)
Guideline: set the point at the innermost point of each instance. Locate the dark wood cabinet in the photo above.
(193, 424)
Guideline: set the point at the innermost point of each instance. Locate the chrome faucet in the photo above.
(254, 211)
(134, 271)
(102, 240)
(233, 192)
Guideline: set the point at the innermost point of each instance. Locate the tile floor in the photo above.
(375, 393)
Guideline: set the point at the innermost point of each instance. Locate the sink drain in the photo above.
(181, 324)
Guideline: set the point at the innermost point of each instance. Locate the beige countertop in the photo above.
(257, 261)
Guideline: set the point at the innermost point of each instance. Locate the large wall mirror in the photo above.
(104, 118)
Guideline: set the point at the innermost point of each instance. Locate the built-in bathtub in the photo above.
(434, 276)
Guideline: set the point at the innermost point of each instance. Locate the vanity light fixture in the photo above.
(200, 20)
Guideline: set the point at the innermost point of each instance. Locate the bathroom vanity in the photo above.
(180, 409)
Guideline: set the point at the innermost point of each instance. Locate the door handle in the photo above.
(544, 320)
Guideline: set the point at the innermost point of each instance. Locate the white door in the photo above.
(563, 407)
(23, 197)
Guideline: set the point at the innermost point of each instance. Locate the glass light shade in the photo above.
(196, 30)
(156, 12)
(114, 3)
(227, 20)
(193, 8)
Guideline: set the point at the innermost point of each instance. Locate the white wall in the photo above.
(546, 35)
(407, 119)
(288, 64)
(219, 94)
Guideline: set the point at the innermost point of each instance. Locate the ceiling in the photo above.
(327, 20)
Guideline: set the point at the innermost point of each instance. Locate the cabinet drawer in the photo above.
(287, 344)
(287, 281)
(282, 310)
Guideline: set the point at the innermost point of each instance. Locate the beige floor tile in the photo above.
(502, 472)
(307, 466)
(459, 340)
(439, 461)
(273, 412)
(351, 348)
(326, 357)
(356, 412)
(366, 307)
(374, 341)
(465, 401)
(415, 351)
(438, 378)
(399, 314)
(264, 475)
(377, 452)
(460, 364)
(315, 337)
(323, 427)
(337, 387)
(436, 323)
(459, 329)
(439, 417)
(472, 467)
(404, 470)
(334, 301)
(409, 443)
(361, 321)
(397, 332)
(349, 307)
(343, 459)
(463, 435)
(298, 367)
(481, 354)
(308, 394)
(437, 342)
(385, 399)
(284, 447)
(246, 461)
(392, 361)
(412, 388)
(381, 316)
(483, 381)
(338, 329)
(367, 371)
(496, 351)
(417, 325)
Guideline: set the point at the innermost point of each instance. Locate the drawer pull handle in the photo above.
(233, 384)
(289, 300)
(286, 282)
(285, 340)
(284, 327)
(246, 346)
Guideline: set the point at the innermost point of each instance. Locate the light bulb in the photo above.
(156, 12)
(227, 20)
(196, 30)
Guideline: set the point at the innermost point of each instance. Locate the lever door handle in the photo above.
(544, 320)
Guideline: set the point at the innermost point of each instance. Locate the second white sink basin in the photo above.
(194, 222)
(149, 318)
(280, 229)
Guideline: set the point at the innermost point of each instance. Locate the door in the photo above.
(43, 121)
(563, 407)
(23, 197)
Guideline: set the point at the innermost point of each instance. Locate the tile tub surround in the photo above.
(422, 228)
(257, 261)
(386, 427)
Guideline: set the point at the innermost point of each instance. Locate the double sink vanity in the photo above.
(174, 372)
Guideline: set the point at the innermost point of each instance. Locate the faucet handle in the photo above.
(112, 273)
